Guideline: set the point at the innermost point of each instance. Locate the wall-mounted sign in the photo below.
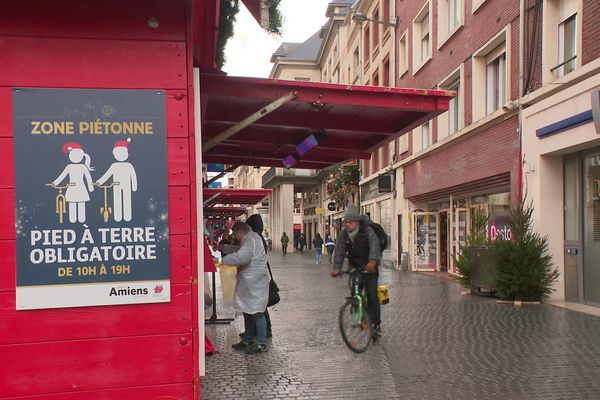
(91, 197)
(331, 206)
(319, 210)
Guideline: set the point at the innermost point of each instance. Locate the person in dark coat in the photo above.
(359, 243)
(256, 223)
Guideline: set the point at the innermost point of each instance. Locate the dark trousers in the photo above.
(284, 248)
(369, 282)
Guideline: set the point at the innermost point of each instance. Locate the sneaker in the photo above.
(241, 345)
(269, 334)
(258, 348)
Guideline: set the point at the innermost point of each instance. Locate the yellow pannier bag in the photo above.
(382, 293)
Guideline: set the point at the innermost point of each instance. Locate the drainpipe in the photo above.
(520, 94)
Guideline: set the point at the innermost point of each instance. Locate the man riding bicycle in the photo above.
(359, 242)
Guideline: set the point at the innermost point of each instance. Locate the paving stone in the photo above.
(437, 344)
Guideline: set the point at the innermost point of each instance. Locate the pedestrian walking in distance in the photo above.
(285, 240)
(330, 246)
(252, 288)
(359, 242)
(318, 246)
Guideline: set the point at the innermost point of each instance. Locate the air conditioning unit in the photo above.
(384, 183)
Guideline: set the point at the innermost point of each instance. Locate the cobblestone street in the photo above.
(437, 344)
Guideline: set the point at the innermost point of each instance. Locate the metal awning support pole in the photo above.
(229, 132)
(211, 198)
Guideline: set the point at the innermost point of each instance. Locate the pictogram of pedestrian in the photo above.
(123, 173)
(80, 182)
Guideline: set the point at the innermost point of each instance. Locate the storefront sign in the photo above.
(319, 210)
(91, 197)
(500, 227)
(331, 206)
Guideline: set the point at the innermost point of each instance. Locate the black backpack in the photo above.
(381, 235)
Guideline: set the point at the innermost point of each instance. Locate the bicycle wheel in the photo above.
(355, 326)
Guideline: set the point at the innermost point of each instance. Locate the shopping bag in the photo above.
(227, 274)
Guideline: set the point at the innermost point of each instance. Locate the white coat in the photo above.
(252, 286)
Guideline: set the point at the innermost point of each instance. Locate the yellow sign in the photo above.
(319, 210)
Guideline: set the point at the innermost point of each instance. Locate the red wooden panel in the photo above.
(8, 249)
(177, 113)
(52, 62)
(94, 19)
(179, 210)
(7, 163)
(7, 214)
(181, 261)
(91, 322)
(54, 367)
(182, 391)
(177, 154)
(6, 117)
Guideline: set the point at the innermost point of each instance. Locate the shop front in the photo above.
(440, 228)
(561, 146)
(445, 189)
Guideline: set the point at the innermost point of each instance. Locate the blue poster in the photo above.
(91, 197)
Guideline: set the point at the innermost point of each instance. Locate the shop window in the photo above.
(421, 48)
(375, 80)
(385, 218)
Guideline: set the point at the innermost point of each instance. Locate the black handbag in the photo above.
(273, 290)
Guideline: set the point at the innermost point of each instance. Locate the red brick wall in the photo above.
(591, 30)
(489, 153)
(491, 17)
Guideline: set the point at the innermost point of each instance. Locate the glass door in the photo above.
(591, 228)
(426, 236)
(460, 226)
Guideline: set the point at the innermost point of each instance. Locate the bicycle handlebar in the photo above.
(106, 186)
(351, 271)
(53, 186)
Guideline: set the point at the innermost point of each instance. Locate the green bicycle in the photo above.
(354, 319)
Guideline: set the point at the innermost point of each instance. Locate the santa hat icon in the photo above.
(67, 147)
(122, 143)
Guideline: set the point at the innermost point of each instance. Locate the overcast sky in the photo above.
(249, 51)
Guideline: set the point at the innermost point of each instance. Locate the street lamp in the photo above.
(361, 17)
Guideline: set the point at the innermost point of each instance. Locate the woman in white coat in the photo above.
(251, 289)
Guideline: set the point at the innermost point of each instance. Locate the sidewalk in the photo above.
(437, 344)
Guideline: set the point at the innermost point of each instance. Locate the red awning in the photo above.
(227, 197)
(356, 119)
